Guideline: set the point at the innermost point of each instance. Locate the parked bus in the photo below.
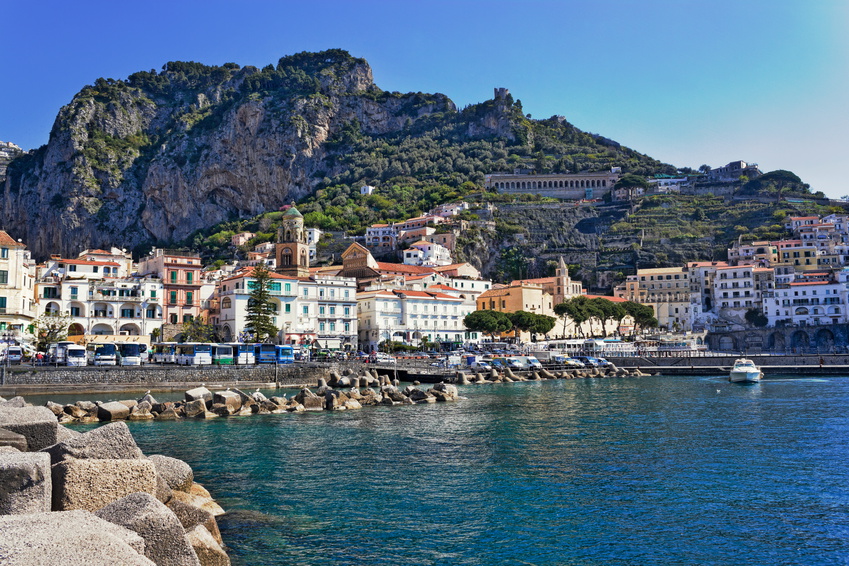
(243, 354)
(129, 353)
(165, 353)
(104, 354)
(285, 355)
(266, 353)
(75, 355)
(222, 355)
(58, 353)
(194, 354)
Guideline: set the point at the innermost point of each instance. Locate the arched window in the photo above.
(226, 303)
(286, 257)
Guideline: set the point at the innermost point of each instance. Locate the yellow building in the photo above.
(518, 296)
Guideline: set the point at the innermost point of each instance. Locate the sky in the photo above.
(687, 82)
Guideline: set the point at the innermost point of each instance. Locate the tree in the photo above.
(260, 307)
(198, 330)
(542, 324)
(606, 311)
(631, 180)
(523, 321)
(488, 322)
(705, 169)
(51, 327)
(576, 309)
(643, 315)
(756, 317)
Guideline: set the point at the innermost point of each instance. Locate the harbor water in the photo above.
(656, 470)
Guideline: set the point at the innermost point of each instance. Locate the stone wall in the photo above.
(289, 374)
(823, 339)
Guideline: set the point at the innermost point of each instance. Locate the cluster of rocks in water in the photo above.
(507, 376)
(340, 392)
(95, 498)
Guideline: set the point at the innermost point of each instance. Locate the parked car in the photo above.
(14, 354)
(382, 358)
(602, 363)
(588, 361)
(573, 363)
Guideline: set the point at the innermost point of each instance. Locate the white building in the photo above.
(17, 285)
(427, 254)
(381, 236)
(411, 317)
(233, 296)
(366, 190)
(816, 299)
(313, 237)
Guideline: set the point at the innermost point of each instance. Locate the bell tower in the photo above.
(291, 249)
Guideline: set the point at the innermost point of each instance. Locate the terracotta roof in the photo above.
(99, 252)
(442, 287)
(401, 268)
(810, 283)
(708, 263)
(449, 267)
(425, 295)
(534, 281)
(7, 240)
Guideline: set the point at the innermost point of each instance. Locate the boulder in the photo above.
(165, 541)
(246, 399)
(25, 484)
(141, 412)
(352, 404)
(129, 403)
(149, 398)
(9, 450)
(163, 491)
(191, 516)
(113, 411)
(418, 395)
(37, 424)
(14, 403)
(231, 399)
(63, 433)
(56, 408)
(91, 484)
(393, 393)
(75, 411)
(313, 403)
(13, 439)
(200, 501)
(196, 408)
(198, 393)
(258, 396)
(57, 538)
(222, 410)
(169, 414)
(87, 406)
(334, 400)
(177, 474)
(303, 394)
(112, 441)
(279, 401)
(207, 549)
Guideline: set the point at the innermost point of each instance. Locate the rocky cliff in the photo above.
(161, 155)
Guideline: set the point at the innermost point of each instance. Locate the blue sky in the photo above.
(687, 82)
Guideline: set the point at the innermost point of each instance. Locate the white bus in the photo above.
(102, 354)
(194, 354)
(129, 353)
(75, 355)
(165, 353)
(243, 354)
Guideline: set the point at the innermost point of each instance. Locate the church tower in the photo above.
(291, 249)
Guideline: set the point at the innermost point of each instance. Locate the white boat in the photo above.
(744, 371)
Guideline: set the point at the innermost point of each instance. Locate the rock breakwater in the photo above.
(96, 497)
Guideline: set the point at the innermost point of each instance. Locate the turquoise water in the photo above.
(612, 471)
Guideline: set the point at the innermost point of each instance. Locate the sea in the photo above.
(635, 471)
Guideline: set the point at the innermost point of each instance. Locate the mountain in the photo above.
(162, 155)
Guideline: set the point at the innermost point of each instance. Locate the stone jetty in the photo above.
(509, 376)
(95, 498)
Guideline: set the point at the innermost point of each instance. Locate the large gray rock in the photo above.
(199, 393)
(112, 441)
(191, 516)
(40, 539)
(165, 541)
(230, 399)
(63, 433)
(176, 473)
(13, 403)
(113, 411)
(37, 424)
(91, 484)
(13, 439)
(25, 485)
(208, 550)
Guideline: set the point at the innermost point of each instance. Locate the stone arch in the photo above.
(76, 329)
(102, 329)
(775, 342)
(754, 341)
(833, 310)
(226, 333)
(52, 308)
(726, 343)
(285, 257)
(800, 341)
(131, 329)
(824, 340)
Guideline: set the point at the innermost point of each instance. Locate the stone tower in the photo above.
(291, 249)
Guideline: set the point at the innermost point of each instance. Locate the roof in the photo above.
(441, 287)
(292, 212)
(402, 268)
(810, 283)
(7, 240)
(425, 295)
(249, 272)
(708, 264)
(609, 298)
(449, 267)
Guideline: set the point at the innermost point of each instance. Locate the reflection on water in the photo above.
(659, 470)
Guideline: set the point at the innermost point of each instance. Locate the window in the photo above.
(347, 311)
(72, 268)
(287, 288)
(105, 271)
(151, 313)
(347, 294)
(74, 291)
(187, 318)
(50, 293)
(332, 311)
(153, 294)
(321, 311)
(4, 277)
(173, 300)
(95, 269)
(306, 309)
(321, 327)
(332, 327)
(189, 297)
(3, 304)
(173, 319)
(288, 308)
(189, 277)
(306, 292)
(173, 277)
(4, 253)
(127, 313)
(75, 311)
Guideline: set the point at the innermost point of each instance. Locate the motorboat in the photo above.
(744, 371)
